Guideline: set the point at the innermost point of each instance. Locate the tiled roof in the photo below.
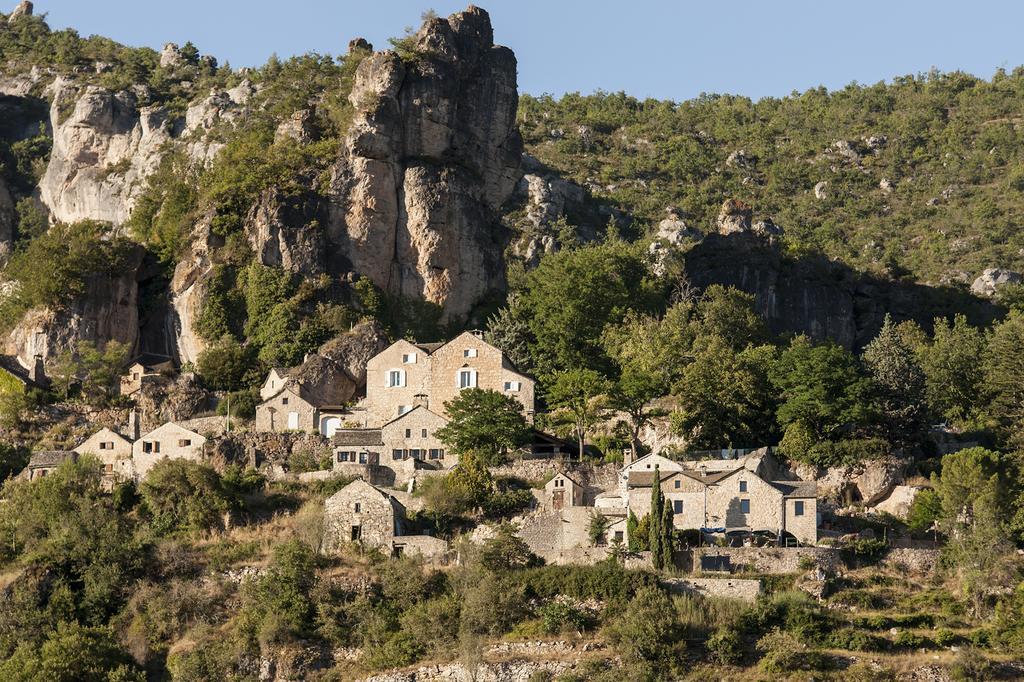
(644, 479)
(361, 437)
(428, 348)
(45, 459)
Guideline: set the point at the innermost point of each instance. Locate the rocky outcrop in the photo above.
(431, 156)
(187, 290)
(818, 297)
(352, 350)
(24, 9)
(733, 217)
(285, 231)
(176, 400)
(108, 310)
(868, 482)
(991, 280)
(7, 220)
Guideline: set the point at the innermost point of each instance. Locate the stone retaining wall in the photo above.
(914, 561)
(772, 560)
(729, 588)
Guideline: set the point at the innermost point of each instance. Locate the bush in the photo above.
(726, 646)
(783, 653)
(910, 640)
(560, 615)
(648, 630)
(242, 403)
(183, 497)
(946, 637)
(853, 639)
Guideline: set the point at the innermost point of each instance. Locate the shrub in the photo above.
(910, 640)
(783, 653)
(224, 555)
(946, 637)
(726, 646)
(971, 665)
(183, 497)
(648, 630)
(853, 639)
(560, 615)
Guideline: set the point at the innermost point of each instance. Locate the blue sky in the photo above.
(648, 48)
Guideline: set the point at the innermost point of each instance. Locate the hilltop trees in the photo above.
(488, 423)
(898, 385)
(579, 395)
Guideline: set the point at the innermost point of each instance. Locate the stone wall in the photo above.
(273, 415)
(360, 505)
(913, 561)
(430, 548)
(771, 560)
(723, 588)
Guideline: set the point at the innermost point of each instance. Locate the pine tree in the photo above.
(632, 526)
(657, 519)
(899, 384)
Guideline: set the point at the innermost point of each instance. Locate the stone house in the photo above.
(735, 500)
(295, 408)
(274, 382)
(407, 374)
(168, 441)
(45, 462)
(144, 371)
(364, 514)
(410, 439)
(563, 491)
(114, 452)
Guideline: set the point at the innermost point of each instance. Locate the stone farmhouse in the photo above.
(114, 452)
(564, 491)
(294, 407)
(411, 436)
(374, 518)
(168, 441)
(145, 370)
(44, 463)
(724, 496)
(407, 374)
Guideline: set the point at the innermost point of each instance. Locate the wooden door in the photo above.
(558, 499)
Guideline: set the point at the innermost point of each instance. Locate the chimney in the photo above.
(134, 425)
(420, 400)
(628, 456)
(37, 373)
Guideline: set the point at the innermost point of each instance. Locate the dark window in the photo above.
(359, 507)
(397, 454)
(342, 456)
(408, 433)
(677, 506)
(362, 458)
(416, 453)
(798, 508)
(743, 486)
(435, 453)
(284, 401)
(618, 536)
(440, 454)
(184, 443)
(357, 532)
(423, 433)
(744, 506)
(678, 483)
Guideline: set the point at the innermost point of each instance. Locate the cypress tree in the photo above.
(656, 532)
(632, 525)
(668, 534)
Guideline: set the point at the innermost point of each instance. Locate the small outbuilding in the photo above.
(564, 491)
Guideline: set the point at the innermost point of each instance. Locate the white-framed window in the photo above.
(408, 358)
(395, 378)
(466, 378)
(513, 386)
(402, 409)
(469, 353)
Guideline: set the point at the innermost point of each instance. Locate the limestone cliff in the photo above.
(432, 155)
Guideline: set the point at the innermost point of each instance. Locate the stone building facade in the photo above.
(406, 375)
(563, 491)
(364, 514)
(412, 436)
(168, 441)
(293, 408)
(113, 450)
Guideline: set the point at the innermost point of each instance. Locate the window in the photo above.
(108, 467)
(150, 446)
(402, 409)
(798, 508)
(744, 506)
(396, 378)
(469, 353)
(678, 483)
(677, 506)
(408, 358)
(284, 401)
(513, 386)
(359, 507)
(106, 446)
(467, 378)
(342, 456)
(423, 433)
(440, 453)
(618, 536)
(435, 453)
(408, 433)
(184, 442)
(397, 454)
(743, 486)
(362, 458)
(416, 453)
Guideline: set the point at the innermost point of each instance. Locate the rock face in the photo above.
(107, 311)
(432, 155)
(992, 279)
(101, 156)
(353, 350)
(817, 297)
(7, 219)
(734, 217)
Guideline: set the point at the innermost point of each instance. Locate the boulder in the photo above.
(352, 350)
(739, 159)
(549, 197)
(171, 56)
(991, 280)
(898, 502)
(767, 228)
(845, 149)
(865, 483)
(733, 217)
(821, 190)
(299, 127)
(24, 9)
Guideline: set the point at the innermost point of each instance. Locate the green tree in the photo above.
(648, 632)
(953, 365)
(728, 313)
(227, 365)
(579, 394)
(486, 422)
(632, 533)
(925, 510)
(820, 387)
(73, 653)
(632, 395)
(183, 497)
(898, 385)
(656, 530)
(566, 321)
(1004, 376)
(470, 482)
(725, 398)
